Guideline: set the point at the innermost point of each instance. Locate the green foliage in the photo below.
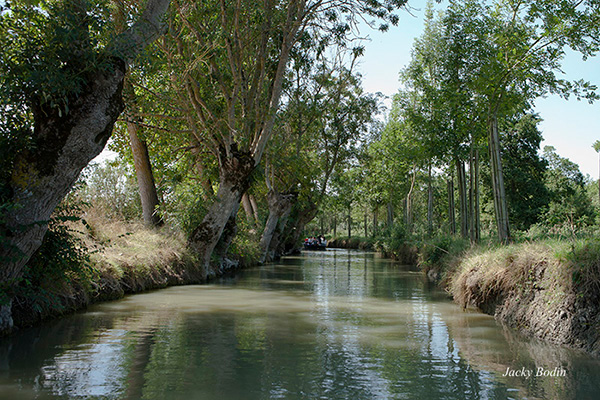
(584, 259)
(245, 246)
(433, 253)
(184, 207)
(524, 171)
(61, 260)
(50, 48)
(392, 239)
(570, 203)
(111, 187)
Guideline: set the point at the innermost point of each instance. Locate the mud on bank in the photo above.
(548, 290)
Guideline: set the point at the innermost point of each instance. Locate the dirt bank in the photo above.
(356, 243)
(550, 291)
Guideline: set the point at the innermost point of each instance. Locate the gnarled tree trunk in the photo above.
(301, 215)
(235, 169)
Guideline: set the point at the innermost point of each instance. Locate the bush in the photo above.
(61, 260)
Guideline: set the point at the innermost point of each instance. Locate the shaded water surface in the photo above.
(331, 325)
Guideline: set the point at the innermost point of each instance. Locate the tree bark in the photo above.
(254, 208)
(390, 215)
(462, 195)
(500, 207)
(409, 211)
(235, 169)
(248, 210)
(451, 206)
(141, 162)
(280, 206)
(349, 222)
(220, 252)
(474, 221)
(375, 221)
(302, 214)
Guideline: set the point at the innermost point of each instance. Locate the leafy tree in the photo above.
(569, 203)
(596, 147)
(526, 193)
(231, 98)
(61, 78)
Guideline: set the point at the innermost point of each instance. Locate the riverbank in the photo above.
(548, 289)
(354, 243)
(121, 258)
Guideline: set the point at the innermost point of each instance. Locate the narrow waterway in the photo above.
(324, 325)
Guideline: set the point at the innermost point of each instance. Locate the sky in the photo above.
(570, 126)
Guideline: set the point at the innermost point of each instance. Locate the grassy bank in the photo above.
(548, 289)
(97, 259)
(355, 242)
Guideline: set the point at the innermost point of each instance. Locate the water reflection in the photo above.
(335, 325)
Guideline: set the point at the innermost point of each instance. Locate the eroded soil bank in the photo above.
(546, 290)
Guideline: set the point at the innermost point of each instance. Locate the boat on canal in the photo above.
(313, 243)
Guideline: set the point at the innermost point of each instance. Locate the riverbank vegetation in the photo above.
(240, 127)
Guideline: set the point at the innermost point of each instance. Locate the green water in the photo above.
(324, 325)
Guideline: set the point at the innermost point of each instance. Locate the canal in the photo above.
(338, 324)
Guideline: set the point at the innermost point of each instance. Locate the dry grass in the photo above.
(135, 256)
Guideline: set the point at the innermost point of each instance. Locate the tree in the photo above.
(234, 96)
(526, 193)
(569, 203)
(596, 146)
(62, 77)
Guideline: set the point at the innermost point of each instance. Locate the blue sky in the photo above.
(570, 126)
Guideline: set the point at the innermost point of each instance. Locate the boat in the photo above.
(315, 244)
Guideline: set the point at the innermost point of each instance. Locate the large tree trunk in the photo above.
(220, 252)
(390, 214)
(141, 162)
(280, 206)
(235, 169)
(42, 177)
(500, 207)
(254, 208)
(462, 195)
(301, 215)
